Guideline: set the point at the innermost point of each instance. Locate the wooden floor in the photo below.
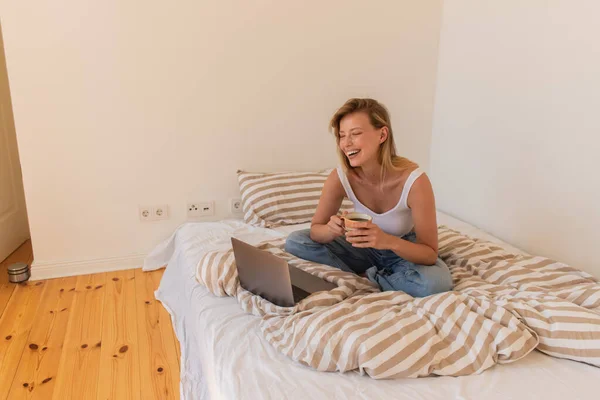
(101, 336)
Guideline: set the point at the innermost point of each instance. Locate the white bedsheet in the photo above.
(224, 356)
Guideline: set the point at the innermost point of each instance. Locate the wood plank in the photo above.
(6, 291)
(23, 253)
(36, 374)
(15, 326)
(77, 376)
(159, 363)
(119, 363)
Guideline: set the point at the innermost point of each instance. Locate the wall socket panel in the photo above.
(201, 209)
(236, 206)
(153, 213)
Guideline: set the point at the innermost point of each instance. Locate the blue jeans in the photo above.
(384, 267)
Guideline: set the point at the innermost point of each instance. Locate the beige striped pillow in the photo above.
(282, 198)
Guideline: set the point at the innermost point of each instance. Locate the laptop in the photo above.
(272, 278)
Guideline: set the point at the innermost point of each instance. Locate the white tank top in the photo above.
(398, 221)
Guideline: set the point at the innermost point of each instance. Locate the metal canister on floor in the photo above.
(18, 272)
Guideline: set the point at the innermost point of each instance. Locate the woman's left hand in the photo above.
(368, 234)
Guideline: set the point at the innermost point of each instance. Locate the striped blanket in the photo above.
(503, 306)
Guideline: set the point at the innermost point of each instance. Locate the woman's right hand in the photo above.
(336, 225)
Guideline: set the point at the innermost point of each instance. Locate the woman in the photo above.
(398, 248)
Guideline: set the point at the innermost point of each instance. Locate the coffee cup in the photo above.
(353, 219)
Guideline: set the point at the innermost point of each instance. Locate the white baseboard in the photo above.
(49, 270)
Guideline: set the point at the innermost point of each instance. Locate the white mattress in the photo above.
(224, 355)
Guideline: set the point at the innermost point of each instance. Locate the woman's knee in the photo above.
(298, 240)
(438, 282)
(423, 280)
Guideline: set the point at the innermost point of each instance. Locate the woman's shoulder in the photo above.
(420, 188)
(415, 172)
(401, 176)
(334, 181)
(336, 174)
(412, 172)
(414, 176)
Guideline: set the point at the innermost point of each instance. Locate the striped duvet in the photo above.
(503, 307)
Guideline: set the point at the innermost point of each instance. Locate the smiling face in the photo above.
(359, 140)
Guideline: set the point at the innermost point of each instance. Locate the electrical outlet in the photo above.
(145, 213)
(161, 211)
(200, 209)
(236, 206)
(153, 213)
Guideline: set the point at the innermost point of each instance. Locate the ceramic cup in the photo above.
(352, 219)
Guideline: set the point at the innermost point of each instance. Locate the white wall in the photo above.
(119, 103)
(516, 132)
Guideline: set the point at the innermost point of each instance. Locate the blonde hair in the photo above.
(379, 117)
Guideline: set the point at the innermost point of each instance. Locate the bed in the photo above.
(224, 355)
